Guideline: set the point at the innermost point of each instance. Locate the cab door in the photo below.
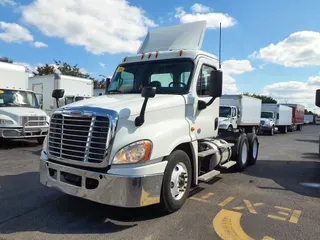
(234, 117)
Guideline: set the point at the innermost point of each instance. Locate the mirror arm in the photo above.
(140, 119)
(203, 105)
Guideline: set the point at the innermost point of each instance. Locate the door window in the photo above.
(203, 83)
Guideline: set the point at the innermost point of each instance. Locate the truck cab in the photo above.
(153, 135)
(268, 121)
(228, 116)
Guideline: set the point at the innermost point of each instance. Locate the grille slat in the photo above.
(33, 121)
(78, 138)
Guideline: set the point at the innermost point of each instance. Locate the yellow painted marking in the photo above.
(295, 216)
(284, 213)
(120, 69)
(198, 199)
(276, 217)
(206, 196)
(238, 208)
(226, 201)
(268, 238)
(250, 207)
(258, 204)
(227, 225)
(283, 208)
(147, 200)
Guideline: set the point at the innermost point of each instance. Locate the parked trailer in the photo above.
(149, 141)
(239, 112)
(20, 113)
(275, 117)
(297, 116)
(308, 119)
(75, 88)
(317, 120)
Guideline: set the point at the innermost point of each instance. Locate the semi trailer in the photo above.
(21, 115)
(275, 117)
(297, 116)
(154, 135)
(239, 112)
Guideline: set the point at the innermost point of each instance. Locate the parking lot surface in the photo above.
(278, 198)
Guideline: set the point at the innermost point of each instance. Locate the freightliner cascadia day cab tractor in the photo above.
(154, 135)
(21, 116)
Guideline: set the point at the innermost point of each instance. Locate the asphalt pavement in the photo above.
(278, 198)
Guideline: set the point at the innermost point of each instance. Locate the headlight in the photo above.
(136, 152)
(5, 121)
(45, 144)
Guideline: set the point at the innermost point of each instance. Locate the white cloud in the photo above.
(101, 26)
(199, 8)
(102, 65)
(234, 67)
(295, 91)
(7, 2)
(12, 32)
(200, 13)
(298, 50)
(40, 44)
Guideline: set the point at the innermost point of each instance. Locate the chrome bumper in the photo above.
(11, 133)
(122, 191)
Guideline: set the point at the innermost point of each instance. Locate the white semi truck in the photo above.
(154, 135)
(239, 112)
(75, 89)
(275, 117)
(317, 102)
(20, 112)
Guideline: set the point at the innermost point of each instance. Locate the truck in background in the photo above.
(317, 120)
(153, 135)
(239, 112)
(317, 102)
(275, 117)
(297, 116)
(20, 112)
(75, 88)
(308, 119)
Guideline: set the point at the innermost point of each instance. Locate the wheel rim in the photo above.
(244, 154)
(255, 149)
(272, 131)
(179, 181)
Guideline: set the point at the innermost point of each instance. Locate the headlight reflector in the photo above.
(5, 121)
(136, 152)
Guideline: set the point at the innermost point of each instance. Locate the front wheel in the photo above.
(176, 181)
(271, 131)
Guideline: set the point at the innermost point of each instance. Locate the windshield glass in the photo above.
(169, 77)
(266, 115)
(225, 112)
(17, 98)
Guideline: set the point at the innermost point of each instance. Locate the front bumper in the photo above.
(114, 190)
(19, 133)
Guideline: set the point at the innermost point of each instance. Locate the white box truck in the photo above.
(275, 117)
(239, 112)
(20, 113)
(153, 135)
(75, 88)
(308, 119)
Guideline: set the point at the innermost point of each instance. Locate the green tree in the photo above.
(44, 70)
(67, 69)
(265, 99)
(6, 59)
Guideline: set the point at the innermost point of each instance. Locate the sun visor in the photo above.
(188, 36)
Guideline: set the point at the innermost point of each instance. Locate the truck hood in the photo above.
(21, 111)
(221, 119)
(130, 104)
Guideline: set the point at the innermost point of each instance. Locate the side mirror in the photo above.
(58, 93)
(148, 92)
(215, 87)
(318, 98)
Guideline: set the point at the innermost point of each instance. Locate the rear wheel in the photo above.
(253, 148)
(242, 156)
(176, 181)
(230, 128)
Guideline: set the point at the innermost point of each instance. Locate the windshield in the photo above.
(17, 98)
(225, 112)
(266, 115)
(169, 77)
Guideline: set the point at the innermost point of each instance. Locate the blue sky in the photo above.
(104, 31)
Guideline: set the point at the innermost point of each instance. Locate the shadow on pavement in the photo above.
(288, 174)
(7, 144)
(308, 140)
(26, 205)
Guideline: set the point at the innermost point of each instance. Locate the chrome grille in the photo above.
(33, 121)
(79, 138)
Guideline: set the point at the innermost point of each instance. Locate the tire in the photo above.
(168, 203)
(40, 140)
(283, 129)
(253, 148)
(271, 132)
(290, 129)
(241, 157)
(230, 128)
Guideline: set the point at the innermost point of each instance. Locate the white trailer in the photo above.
(275, 117)
(20, 113)
(239, 112)
(308, 119)
(76, 89)
(154, 134)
